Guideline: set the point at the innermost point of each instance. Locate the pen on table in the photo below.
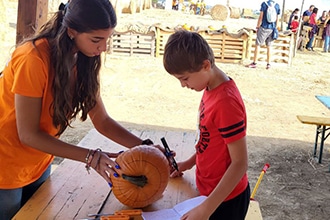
(169, 154)
(99, 215)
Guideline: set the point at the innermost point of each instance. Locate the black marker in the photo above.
(168, 154)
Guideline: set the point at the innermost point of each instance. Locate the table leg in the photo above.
(322, 143)
(316, 140)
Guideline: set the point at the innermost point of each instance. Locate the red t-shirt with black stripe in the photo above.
(222, 120)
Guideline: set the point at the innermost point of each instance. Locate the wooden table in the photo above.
(71, 193)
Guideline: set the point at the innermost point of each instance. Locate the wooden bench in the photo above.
(322, 126)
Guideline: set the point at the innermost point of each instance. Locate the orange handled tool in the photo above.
(259, 180)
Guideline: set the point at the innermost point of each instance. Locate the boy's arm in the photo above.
(184, 165)
(234, 173)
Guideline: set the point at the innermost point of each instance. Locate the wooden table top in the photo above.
(72, 193)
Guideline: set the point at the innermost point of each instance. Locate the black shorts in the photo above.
(234, 209)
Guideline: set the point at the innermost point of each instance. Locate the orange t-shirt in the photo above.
(28, 73)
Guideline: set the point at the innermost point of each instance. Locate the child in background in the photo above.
(221, 157)
(294, 24)
(294, 13)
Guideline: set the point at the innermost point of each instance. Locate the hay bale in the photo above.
(220, 12)
(235, 12)
(247, 13)
(146, 4)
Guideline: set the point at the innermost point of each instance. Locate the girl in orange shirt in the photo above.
(52, 78)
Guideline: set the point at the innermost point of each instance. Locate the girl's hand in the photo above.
(102, 164)
(114, 155)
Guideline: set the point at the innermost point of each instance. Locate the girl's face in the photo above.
(92, 43)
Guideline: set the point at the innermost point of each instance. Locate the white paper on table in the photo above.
(176, 212)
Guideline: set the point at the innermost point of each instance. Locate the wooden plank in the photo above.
(47, 191)
(31, 14)
(313, 120)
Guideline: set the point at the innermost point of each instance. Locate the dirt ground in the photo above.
(139, 94)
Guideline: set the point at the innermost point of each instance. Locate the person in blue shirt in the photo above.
(307, 14)
(265, 31)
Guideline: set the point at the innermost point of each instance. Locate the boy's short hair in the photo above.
(296, 17)
(186, 51)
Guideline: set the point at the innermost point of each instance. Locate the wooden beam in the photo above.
(31, 14)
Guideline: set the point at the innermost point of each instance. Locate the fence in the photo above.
(227, 47)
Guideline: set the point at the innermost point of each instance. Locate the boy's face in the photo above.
(197, 81)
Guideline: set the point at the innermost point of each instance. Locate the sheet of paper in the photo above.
(168, 214)
(189, 204)
(176, 212)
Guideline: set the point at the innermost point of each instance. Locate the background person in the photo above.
(294, 24)
(322, 18)
(313, 24)
(293, 14)
(264, 32)
(307, 14)
(326, 47)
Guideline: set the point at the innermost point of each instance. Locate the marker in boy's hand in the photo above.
(169, 155)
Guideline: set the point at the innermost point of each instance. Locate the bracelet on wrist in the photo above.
(89, 158)
(147, 142)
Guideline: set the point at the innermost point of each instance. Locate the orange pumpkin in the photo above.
(145, 174)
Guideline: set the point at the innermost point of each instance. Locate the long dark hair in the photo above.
(71, 99)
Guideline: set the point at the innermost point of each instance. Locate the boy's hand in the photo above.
(196, 213)
(182, 167)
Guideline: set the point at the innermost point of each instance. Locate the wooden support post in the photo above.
(157, 41)
(291, 48)
(31, 14)
(249, 44)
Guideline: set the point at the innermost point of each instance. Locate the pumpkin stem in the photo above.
(140, 181)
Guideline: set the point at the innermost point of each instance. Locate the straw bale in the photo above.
(247, 13)
(220, 12)
(235, 12)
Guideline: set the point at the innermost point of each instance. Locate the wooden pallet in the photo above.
(281, 50)
(226, 48)
(130, 44)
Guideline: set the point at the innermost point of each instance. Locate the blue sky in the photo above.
(289, 4)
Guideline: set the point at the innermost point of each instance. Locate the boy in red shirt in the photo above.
(221, 156)
(294, 24)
